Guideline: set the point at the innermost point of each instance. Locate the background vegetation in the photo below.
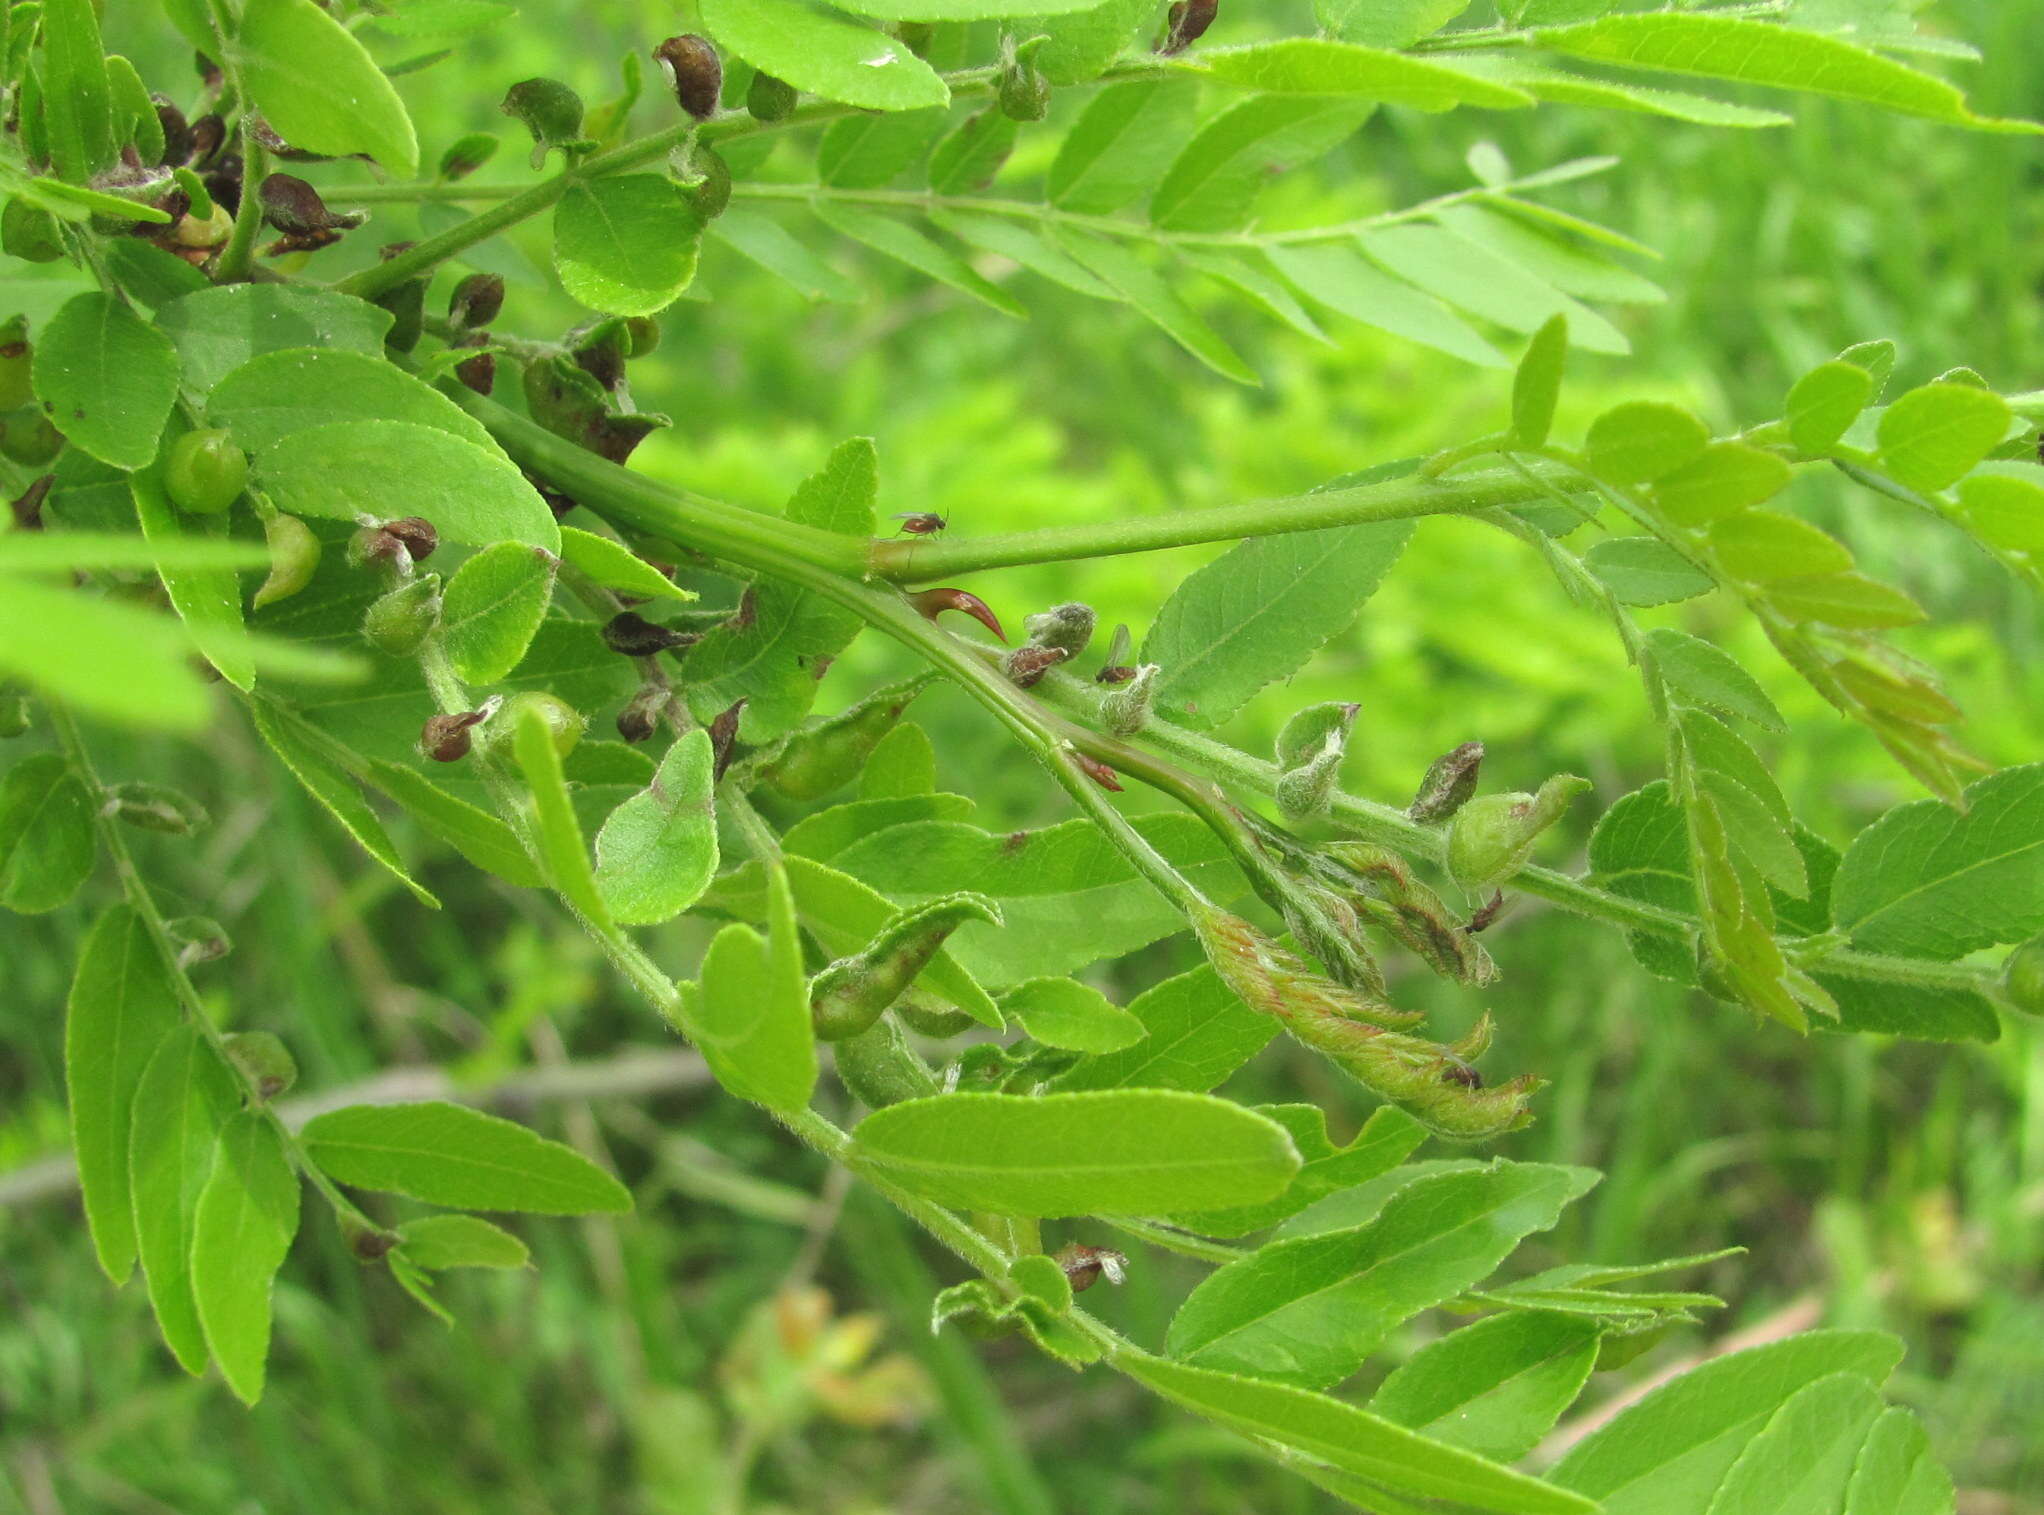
(751, 1316)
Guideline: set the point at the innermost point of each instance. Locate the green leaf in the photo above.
(773, 660)
(869, 151)
(556, 833)
(1121, 145)
(185, 1098)
(1318, 66)
(756, 1037)
(1153, 297)
(1933, 435)
(1536, 382)
(1214, 183)
(319, 88)
(388, 468)
(959, 10)
(216, 330)
(1801, 1461)
(46, 841)
(1646, 571)
(615, 566)
(766, 242)
(1020, 244)
(207, 598)
(1386, 23)
(821, 53)
(1259, 286)
(325, 781)
(1353, 1440)
(493, 607)
(1642, 440)
(1473, 278)
(902, 242)
(1258, 612)
(1928, 881)
(1062, 1012)
(77, 99)
(658, 850)
(626, 244)
(121, 1006)
(1310, 1310)
(1141, 1150)
(1726, 477)
(1079, 47)
(2005, 509)
(1672, 1450)
(1898, 1474)
(1761, 546)
(451, 1155)
(1493, 1388)
(459, 1241)
(474, 833)
(1387, 1138)
(1696, 673)
(108, 659)
(1338, 277)
(1824, 402)
(1781, 57)
(58, 553)
(970, 155)
(1197, 1033)
(903, 764)
(242, 1227)
(107, 378)
(1557, 86)
(281, 393)
(1850, 600)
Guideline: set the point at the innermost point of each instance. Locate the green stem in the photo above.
(1391, 500)
(239, 255)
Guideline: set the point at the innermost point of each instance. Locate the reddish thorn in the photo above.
(931, 601)
(1098, 772)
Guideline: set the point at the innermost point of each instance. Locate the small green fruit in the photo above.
(563, 721)
(2022, 977)
(30, 438)
(399, 623)
(294, 555)
(205, 472)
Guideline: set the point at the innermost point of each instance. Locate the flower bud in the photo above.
(548, 109)
(851, 994)
(476, 301)
(1023, 92)
(822, 758)
(447, 738)
(398, 624)
(1309, 753)
(770, 99)
(198, 939)
(1450, 781)
(205, 472)
(367, 1243)
(30, 438)
(632, 635)
(478, 373)
(640, 718)
(1084, 1266)
(1026, 666)
(264, 1061)
(2022, 977)
(27, 507)
(696, 71)
(929, 603)
(724, 739)
(467, 155)
(564, 723)
(153, 807)
(879, 1068)
(1492, 836)
(293, 559)
(1185, 23)
(294, 208)
(419, 536)
(1126, 710)
(30, 233)
(1067, 627)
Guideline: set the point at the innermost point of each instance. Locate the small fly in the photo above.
(921, 523)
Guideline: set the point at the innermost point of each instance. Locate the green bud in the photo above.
(548, 109)
(16, 390)
(467, 155)
(1327, 925)
(30, 233)
(1491, 837)
(294, 558)
(153, 807)
(1450, 781)
(199, 939)
(1068, 628)
(879, 1067)
(2022, 977)
(821, 758)
(476, 301)
(710, 191)
(1384, 892)
(14, 716)
(1024, 93)
(1309, 753)
(398, 624)
(644, 332)
(564, 723)
(205, 472)
(1125, 710)
(851, 994)
(770, 99)
(30, 438)
(264, 1061)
